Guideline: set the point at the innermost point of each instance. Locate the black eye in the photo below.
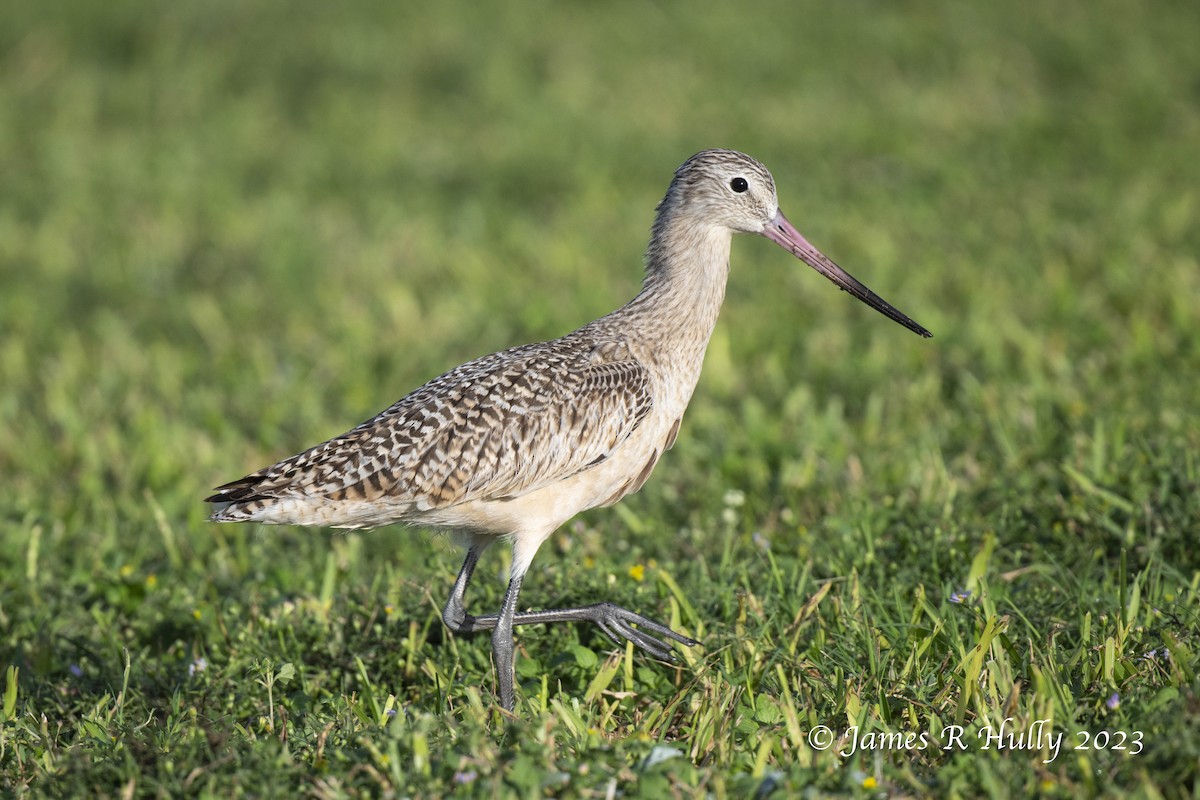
(739, 185)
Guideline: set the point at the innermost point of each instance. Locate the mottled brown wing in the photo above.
(496, 427)
(573, 424)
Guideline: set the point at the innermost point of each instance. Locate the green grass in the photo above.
(230, 230)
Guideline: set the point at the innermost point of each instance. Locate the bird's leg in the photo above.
(614, 620)
(455, 613)
(502, 644)
(458, 620)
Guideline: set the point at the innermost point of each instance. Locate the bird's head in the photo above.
(734, 191)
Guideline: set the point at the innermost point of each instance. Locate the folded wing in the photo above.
(497, 427)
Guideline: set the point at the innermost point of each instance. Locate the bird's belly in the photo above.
(546, 508)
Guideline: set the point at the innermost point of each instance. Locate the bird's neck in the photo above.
(687, 265)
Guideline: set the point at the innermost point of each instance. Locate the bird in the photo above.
(514, 444)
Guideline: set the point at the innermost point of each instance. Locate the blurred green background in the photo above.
(229, 230)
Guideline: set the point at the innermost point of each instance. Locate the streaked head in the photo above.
(727, 188)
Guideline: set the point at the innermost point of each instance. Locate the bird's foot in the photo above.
(617, 624)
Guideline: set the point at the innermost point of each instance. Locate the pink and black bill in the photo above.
(784, 234)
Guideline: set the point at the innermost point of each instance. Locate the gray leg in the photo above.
(455, 613)
(616, 622)
(458, 620)
(502, 644)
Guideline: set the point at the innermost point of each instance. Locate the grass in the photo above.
(229, 230)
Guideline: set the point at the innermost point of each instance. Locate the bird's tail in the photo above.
(238, 501)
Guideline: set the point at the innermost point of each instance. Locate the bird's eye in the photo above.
(739, 185)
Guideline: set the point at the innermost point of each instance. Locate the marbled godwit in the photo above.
(516, 443)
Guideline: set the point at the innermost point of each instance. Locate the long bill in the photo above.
(784, 234)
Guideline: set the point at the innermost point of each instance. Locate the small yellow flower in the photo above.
(151, 581)
(638, 572)
(869, 783)
(196, 613)
(126, 570)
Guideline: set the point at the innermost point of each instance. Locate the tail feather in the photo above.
(237, 501)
